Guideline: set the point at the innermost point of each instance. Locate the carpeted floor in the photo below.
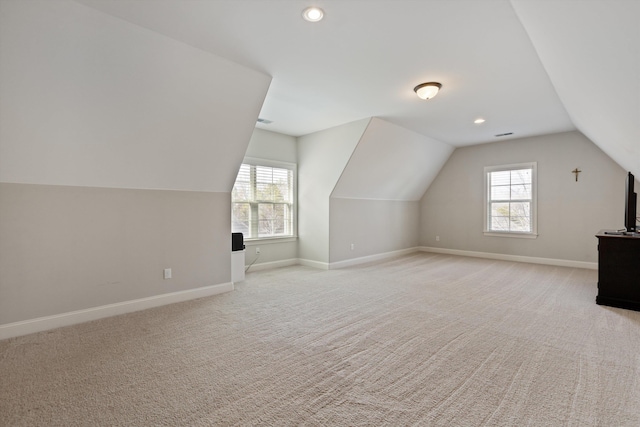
(425, 339)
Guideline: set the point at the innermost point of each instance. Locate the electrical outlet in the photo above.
(353, 246)
(257, 251)
(437, 238)
(167, 273)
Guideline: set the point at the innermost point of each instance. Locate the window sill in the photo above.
(511, 234)
(269, 240)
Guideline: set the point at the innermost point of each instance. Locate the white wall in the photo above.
(566, 34)
(88, 99)
(101, 123)
(391, 163)
(282, 148)
(322, 157)
(570, 213)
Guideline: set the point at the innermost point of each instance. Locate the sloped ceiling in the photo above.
(530, 67)
(391, 163)
(364, 59)
(90, 100)
(591, 52)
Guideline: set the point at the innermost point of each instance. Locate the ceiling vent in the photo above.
(264, 121)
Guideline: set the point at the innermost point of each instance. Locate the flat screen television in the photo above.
(630, 205)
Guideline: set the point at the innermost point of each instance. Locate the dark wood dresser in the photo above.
(618, 270)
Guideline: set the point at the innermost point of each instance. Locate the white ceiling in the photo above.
(505, 61)
(591, 51)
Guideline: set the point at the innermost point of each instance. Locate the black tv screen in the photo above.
(631, 201)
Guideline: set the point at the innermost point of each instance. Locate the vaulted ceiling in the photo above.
(528, 67)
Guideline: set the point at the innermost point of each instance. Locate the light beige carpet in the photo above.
(425, 339)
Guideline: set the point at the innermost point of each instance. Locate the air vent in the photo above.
(264, 121)
(504, 134)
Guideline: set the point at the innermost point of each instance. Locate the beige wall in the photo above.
(569, 212)
(373, 227)
(70, 248)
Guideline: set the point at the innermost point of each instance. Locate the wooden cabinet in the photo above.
(618, 270)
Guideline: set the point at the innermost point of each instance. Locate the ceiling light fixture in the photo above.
(427, 90)
(313, 14)
(479, 121)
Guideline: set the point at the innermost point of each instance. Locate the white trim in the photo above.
(370, 258)
(273, 264)
(511, 234)
(386, 255)
(269, 240)
(270, 163)
(533, 234)
(293, 167)
(40, 324)
(314, 264)
(516, 258)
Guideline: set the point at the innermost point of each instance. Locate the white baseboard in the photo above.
(370, 258)
(327, 266)
(314, 264)
(386, 255)
(40, 324)
(516, 258)
(273, 264)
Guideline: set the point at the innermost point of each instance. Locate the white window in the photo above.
(510, 200)
(263, 200)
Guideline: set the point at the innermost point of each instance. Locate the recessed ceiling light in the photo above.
(313, 14)
(479, 121)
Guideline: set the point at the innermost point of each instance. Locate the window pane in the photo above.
(501, 178)
(263, 191)
(241, 192)
(241, 218)
(262, 201)
(521, 191)
(500, 193)
(263, 174)
(520, 223)
(521, 176)
(273, 184)
(244, 174)
(274, 219)
(265, 214)
(510, 200)
(500, 210)
(520, 209)
(500, 223)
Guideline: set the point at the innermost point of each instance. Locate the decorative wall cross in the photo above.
(576, 171)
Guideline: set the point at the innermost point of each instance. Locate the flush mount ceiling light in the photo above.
(427, 90)
(313, 14)
(479, 121)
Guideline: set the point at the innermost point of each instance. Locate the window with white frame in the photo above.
(263, 199)
(510, 200)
